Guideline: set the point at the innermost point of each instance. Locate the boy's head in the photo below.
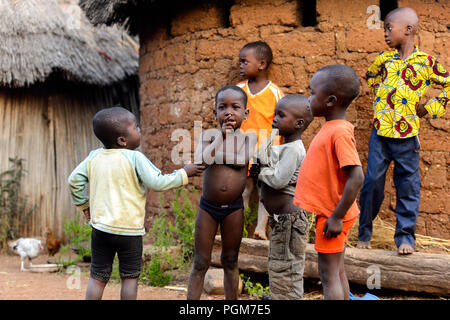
(254, 59)
(116, 127)
(292, 115)
(333, 86)
(399, 26)
(231, 107)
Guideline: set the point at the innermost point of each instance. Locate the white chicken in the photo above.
(28, 248)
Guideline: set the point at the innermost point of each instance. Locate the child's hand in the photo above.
(420, 110)
(87, 214)
(332, 227)
(227, 129)
(255, 169)
(228, 126)
(194, 169)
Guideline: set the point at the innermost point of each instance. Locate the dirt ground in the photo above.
(17, 285)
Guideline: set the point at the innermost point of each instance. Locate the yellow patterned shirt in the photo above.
(398, 86)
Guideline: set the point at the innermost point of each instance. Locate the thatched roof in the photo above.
(42, 37)
(122, 12)
(113, 11)
(131, 14)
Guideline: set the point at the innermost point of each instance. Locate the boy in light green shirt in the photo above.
(118, 176)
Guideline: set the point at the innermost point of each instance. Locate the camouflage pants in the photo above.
(288, 233)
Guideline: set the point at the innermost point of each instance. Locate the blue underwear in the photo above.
(220, 211)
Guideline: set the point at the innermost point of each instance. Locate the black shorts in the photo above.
(104, 247)
(220, 212)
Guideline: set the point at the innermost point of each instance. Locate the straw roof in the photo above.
(42, 37)
(114, 11)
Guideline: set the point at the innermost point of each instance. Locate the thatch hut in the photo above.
(56, 71)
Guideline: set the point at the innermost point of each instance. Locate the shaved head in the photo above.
(340, 81)
(297, 104)
(404, 15)
(110, 123)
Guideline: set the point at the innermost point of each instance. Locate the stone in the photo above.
(172, 253)
(435, 177)
(265, 14)
(196, 20)
(213, 283)
(371, 40)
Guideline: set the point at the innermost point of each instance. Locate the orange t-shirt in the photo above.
(321, 180)
(262, 109)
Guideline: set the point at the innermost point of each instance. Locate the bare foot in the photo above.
(405, 249)
(363, 245)
(259, 235)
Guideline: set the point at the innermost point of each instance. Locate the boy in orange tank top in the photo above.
(254, 61)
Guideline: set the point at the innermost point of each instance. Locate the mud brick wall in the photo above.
(187, 58)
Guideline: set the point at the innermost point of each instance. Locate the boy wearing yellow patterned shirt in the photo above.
(399, 79)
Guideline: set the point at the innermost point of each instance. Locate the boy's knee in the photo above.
(200, 264)
(229, 262)
(329, 279)
(323, 272)
(329, 268)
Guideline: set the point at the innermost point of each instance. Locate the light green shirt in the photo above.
(117, 179)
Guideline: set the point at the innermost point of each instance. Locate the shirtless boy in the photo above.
(227, 152)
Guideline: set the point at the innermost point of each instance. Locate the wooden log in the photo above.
(419, 272)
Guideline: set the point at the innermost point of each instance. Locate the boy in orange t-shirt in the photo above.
(262, 97)
(331, 175)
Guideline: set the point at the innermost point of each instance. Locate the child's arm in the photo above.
(373, 75)
(78, 180)
(333, 225)
(254, 170)
(155, 180)
(210, 141)
(436, 106)
(262, 155)
(239, 148)
(210, 149)
(279, 176)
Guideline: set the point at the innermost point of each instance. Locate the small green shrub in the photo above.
(115, 275)
(311, 237)
(162, 227)
(159, 271)
(154, 275)
(250, 216)
(14, 210)
(254, 289)
(184, 228)
(79, 238)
